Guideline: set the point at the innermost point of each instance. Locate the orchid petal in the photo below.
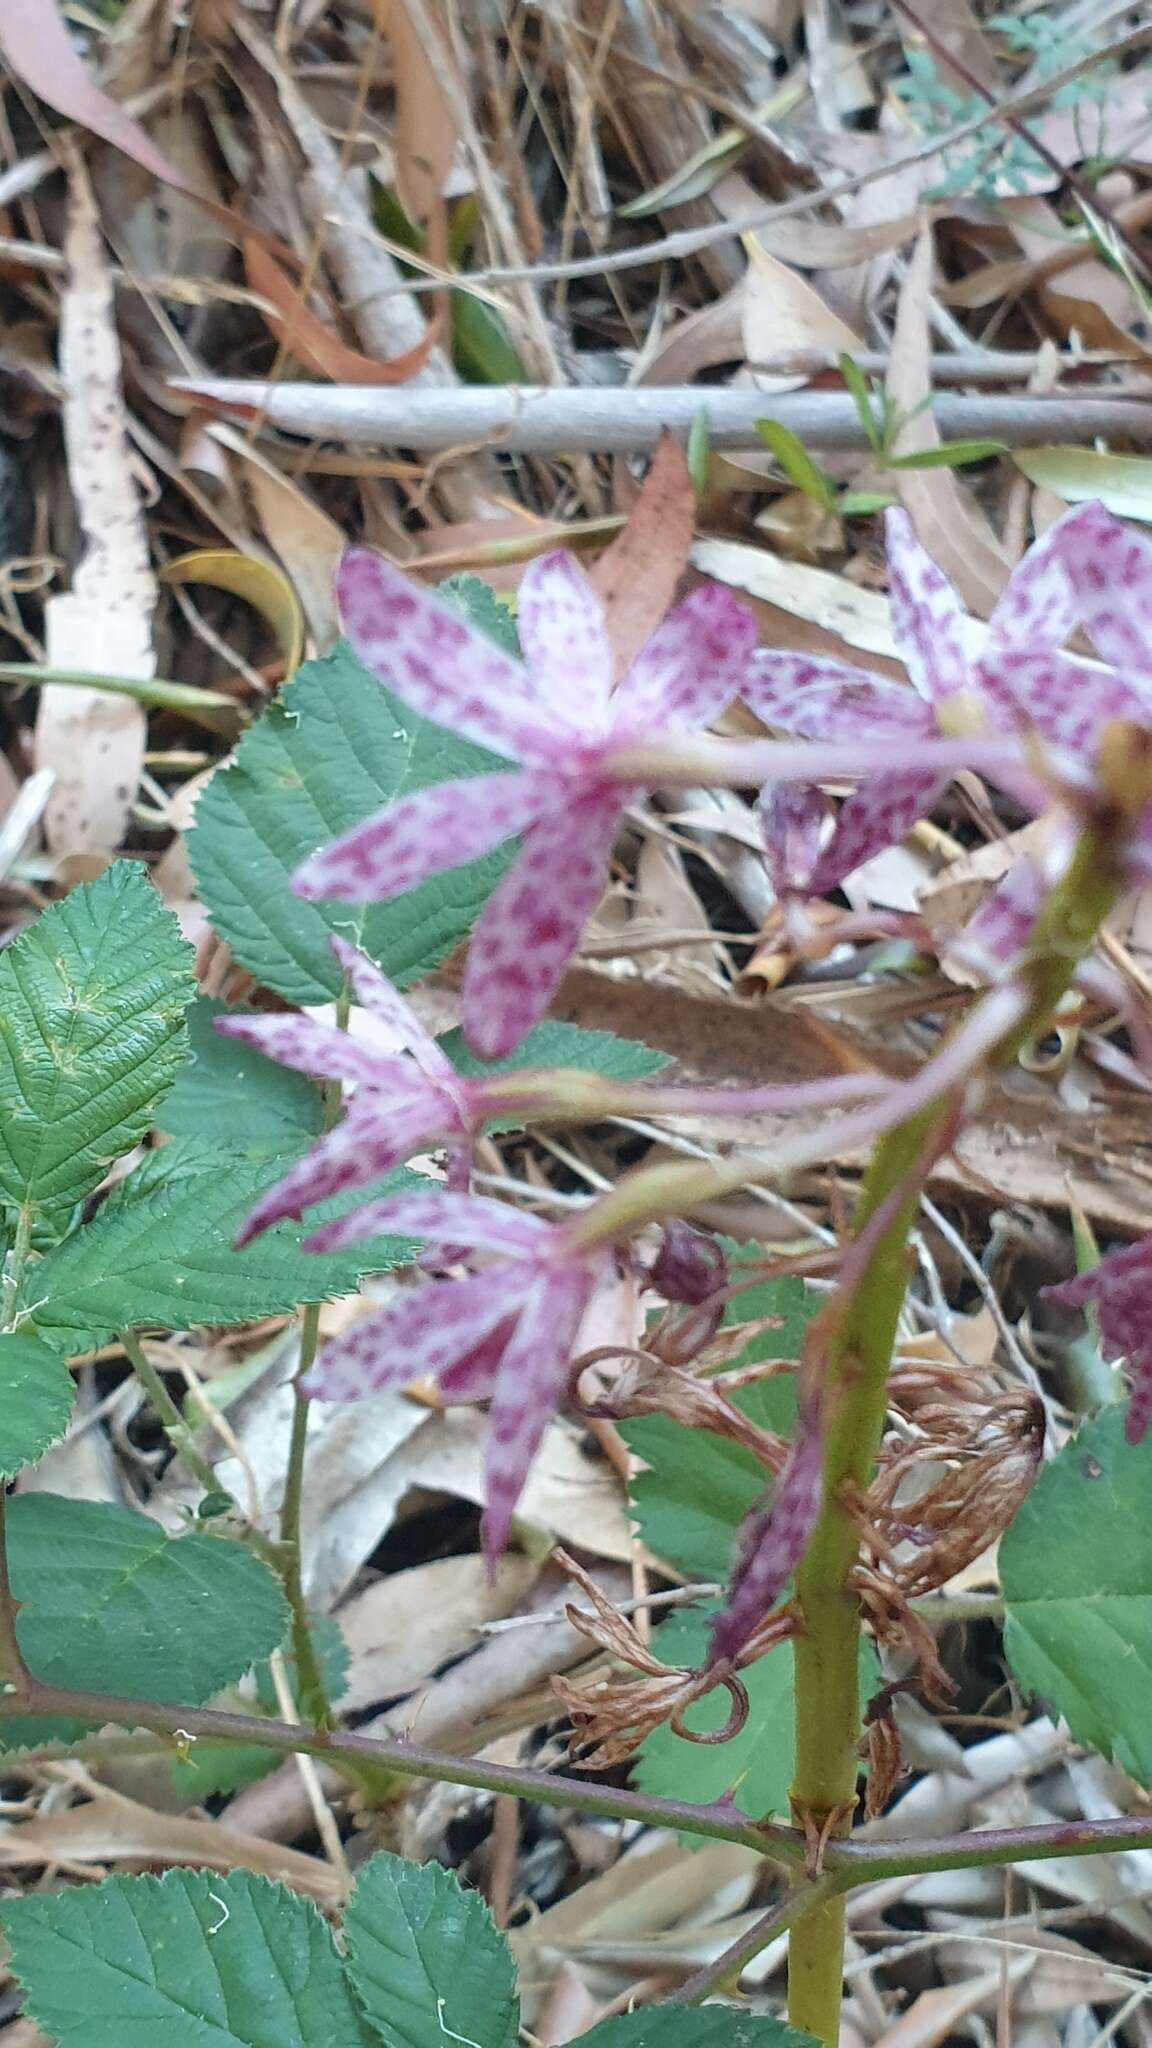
(1002, 926)
(437, 663)
(792, 820)
(875, 816)
(532, 925)
(421, 1334)
(927, 618)
(692, 666)
(1120, 1288)
(772, 1543)
(439, 1217)
(313, 1048)
(374, 992)
(532, 1378)
(1037, 609)
(562, 632)
(1110, 569)
(1065, 700)
(421, 835)
(821, 699)
(374, 1135)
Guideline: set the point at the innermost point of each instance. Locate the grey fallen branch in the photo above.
(537, 420)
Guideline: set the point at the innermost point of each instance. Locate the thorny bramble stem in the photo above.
(852, 1863)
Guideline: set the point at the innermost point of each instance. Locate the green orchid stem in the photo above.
(310, 1688)
(827, 1647)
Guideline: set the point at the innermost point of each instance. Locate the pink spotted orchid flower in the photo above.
(1120, 1290)
(402, 1102)
(505, 1334)
(1018, 680)
(558, 717)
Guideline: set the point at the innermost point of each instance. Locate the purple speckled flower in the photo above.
(504, 1335)
(403, 1102)
(558, 716)
(1120, 1290)
(1019, 679)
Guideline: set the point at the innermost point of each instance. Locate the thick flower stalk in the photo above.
(556, 715)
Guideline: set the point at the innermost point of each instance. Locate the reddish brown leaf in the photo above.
(636, 576)
(304, 336)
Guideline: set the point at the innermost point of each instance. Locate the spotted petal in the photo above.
(375, 1133)
(792, 820)
(420, 1335)
(439, 1217)
(821, 699)
(530, 1384)
(691, 666)
(314, 1048)
(530, 928)
(436, 662)
(421, 835)
(927, 618)
(1037, 609)
(875, 816)
(1065, 700)
(374, 992)
(566, 646)
(1110, 569)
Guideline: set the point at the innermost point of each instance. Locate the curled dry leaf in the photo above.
(261, 584)
(304, 336)
(94, 741)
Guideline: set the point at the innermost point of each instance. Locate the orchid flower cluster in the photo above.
(1056, 732)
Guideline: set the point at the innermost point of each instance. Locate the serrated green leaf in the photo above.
(426, 1960)
(231, 1092)
(689, 1504)
(796, 462)
(563, 1045)
(92, 1001)
(483, 608)
(192, 1959)
(36, 1395)
(709, 2026)
(756, 1766)
(159, 1254)
(1076, 1574)
(332, 749)
(111, 1604)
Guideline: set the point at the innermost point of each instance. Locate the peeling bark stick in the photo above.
(535, 420)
